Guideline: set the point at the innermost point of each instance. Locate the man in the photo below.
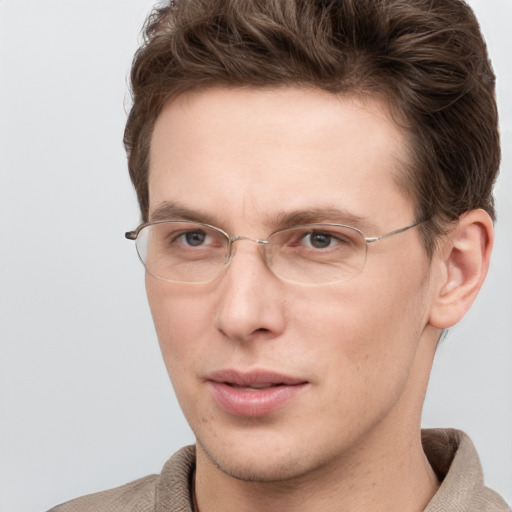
(315, 182)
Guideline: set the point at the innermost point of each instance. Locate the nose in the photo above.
(250, 298)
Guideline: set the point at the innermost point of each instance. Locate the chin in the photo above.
(256, 467)
(271, 460)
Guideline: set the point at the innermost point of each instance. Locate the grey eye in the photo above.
(319, 240)
(195, 238)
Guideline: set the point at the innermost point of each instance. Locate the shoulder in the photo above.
(453, 457)
(170, 490)
(138, 495)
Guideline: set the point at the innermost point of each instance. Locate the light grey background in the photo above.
(85, 401)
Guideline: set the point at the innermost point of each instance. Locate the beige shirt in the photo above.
(450, 452)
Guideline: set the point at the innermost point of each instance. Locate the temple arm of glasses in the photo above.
(372, 239)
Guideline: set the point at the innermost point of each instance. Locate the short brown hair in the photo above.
(426, 57)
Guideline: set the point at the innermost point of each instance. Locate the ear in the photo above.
(463, 259)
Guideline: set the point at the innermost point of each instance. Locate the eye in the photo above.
(318, 240)
(193, 238)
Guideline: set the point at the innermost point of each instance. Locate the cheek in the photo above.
(179, 316)
(366, 331)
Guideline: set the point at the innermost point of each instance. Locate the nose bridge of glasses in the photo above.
(233, 239)
(255, 240)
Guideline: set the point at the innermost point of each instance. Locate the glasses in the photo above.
(182, 251)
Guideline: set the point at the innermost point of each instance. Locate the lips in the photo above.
(253, 394)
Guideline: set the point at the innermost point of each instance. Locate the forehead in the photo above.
(253, 153)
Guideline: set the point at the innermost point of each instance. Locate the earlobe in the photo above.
(463, 258)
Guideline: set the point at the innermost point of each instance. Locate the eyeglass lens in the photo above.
(196, 253)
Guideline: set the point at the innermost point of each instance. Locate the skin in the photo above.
(350, 440)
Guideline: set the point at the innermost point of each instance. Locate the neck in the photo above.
(399, 477)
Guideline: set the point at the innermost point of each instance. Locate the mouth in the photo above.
(253, 387)
(253, 394)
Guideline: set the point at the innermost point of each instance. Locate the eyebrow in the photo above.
(174, 211)
(320, 215)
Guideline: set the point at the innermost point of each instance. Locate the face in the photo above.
(279, 379)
